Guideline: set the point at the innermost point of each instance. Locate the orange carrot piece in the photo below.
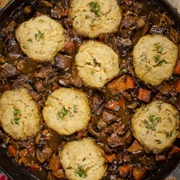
(173, 151)
(138, 173)
(35, 166)
(70, 47)
(12, 151)
(122, 103)
(112, 105)
(135, 147)
(177, 86)
(65, 12)
(110, 157)
(144, 95)
(124, 170)
(118, 85)
(130, 82)
(23, 152)
(177, 68)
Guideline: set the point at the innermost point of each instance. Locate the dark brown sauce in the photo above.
(52, 77)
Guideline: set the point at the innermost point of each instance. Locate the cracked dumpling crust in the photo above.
(97, 63)
(20, 117)
(156, 125)
(83, 159)
(92, 18)
(41, 38)
(155, 57)
(67, 111)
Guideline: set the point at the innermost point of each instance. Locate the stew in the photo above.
(111, 112)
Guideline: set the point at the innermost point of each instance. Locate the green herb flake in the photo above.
(123, 70)
(157, 58)
(158, 48)
(94, 7)
(16, 120)
(87, 17)
(148, 126)
(39, 36)
(148, 68)
(92, 73)
(16, 112)
(152, 122)
(162, 62)
(81, 172)
(63, 112)
(41, 20)
(17, 115)
(158, 141)
(29, 40)
(175, 133)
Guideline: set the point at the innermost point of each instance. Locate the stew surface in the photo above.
(110, 125)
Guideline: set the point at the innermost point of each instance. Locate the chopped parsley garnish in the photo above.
(87, 17)
(158, 141)
(152, 122)
(16, 120)
(41, 20)
(39, 35)
(158, 48)
(63, 113)
(81, 172)
(175, 133)
(29, 40)
(92, 73)
(158, 57)
(161, 63)
(17, 115)
(94, 7)
(16, 112)
(123, 70)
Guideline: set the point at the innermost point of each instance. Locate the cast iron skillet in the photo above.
(16, 172)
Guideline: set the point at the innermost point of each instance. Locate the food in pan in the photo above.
(97, 63)
(152, 55)
(92, 18)
(67, 111)
(41, 38)
(76, 107)
(156, 125)
(20, 116)
(83, 159)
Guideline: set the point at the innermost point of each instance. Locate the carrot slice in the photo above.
(122, 103)
(124, 170)
(112, 105)
(177, 68)
(135, 147)
(70, 47)
(177, 86)
(130, 82)
(35, 166)
(12, 151)
(118, 85)
(144, 95)
(110, 157)
(65, 12)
